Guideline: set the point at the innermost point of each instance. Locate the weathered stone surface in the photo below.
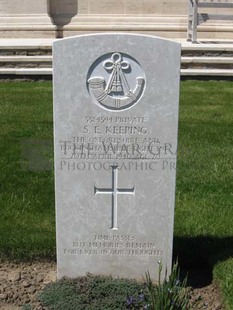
(116, 116)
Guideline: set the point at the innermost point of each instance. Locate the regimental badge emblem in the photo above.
(116, 81)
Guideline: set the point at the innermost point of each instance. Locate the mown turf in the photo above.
(204, 196)
(27, 213)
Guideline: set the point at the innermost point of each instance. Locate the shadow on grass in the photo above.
(198, 255)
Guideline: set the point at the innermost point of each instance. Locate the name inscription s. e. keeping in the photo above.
(115, 138)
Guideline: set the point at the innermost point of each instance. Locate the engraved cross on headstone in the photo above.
(114, 191)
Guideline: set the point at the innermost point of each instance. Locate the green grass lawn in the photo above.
(26, 197)
(204, 196)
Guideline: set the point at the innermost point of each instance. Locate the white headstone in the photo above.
(116, 114)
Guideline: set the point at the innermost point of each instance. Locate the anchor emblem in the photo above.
(120, 91)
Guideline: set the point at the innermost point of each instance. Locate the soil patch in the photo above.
(21, 282)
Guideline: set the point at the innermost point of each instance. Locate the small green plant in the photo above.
(90, 293)
(105, 293)
(171, 294)
(26, 307)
